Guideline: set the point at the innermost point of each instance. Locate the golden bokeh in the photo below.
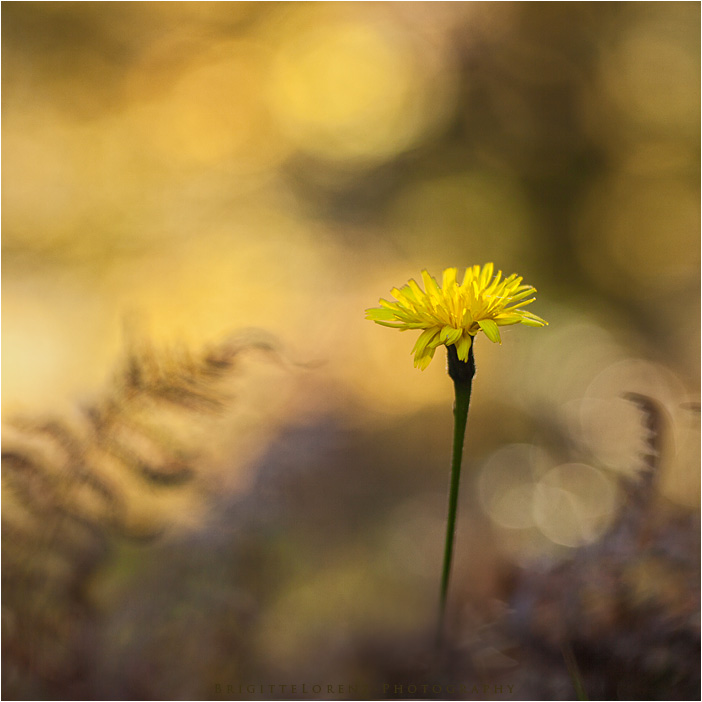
(218, 191)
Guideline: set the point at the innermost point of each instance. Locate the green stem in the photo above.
(461, 372)
(574, 672)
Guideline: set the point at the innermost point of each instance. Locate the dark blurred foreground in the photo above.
(322, 571)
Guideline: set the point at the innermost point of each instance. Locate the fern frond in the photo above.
(69, 485)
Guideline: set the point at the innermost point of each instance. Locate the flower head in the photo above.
(454, 313)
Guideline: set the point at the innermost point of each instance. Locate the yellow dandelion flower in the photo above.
(453, 313)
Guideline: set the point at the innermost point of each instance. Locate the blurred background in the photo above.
(241, 180)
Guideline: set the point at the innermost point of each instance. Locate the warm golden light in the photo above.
(355, 91)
